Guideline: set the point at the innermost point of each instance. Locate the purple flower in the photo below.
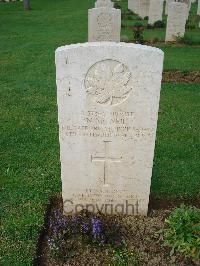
(85, 228)
(58, 223)
(96, 227)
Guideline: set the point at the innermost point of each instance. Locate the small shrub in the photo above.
(138, 36)
(183, 231)
(146, 18)
(159, 24)
(185, 72)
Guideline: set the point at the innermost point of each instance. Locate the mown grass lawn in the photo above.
(30, 168)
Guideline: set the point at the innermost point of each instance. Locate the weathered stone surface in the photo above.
(104, 24)
(176, 21)
(108, 100)
(144, 8)
(104, 3)
(134, 5)
(155, 11)
(167, 5)
(198, 9)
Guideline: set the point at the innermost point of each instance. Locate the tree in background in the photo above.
(26, 5)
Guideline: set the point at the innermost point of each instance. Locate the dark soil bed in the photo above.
(140, 234)
(181, 77)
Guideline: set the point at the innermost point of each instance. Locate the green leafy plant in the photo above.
(182, 233)
(124, 257)
(185, 72)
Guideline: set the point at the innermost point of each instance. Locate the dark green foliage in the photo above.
(182, 231)
(117, 5)
(159, 24)
(149, 26)
(138, 33)
(187, 40)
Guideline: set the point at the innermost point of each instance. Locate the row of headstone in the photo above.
(148, 8)
(177, 10)
(108, 101)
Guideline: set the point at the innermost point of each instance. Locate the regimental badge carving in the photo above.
(108, 82)
(104, 20)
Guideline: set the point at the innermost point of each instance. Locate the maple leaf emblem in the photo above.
(107, 82)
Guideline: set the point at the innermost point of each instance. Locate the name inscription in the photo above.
(104, 124)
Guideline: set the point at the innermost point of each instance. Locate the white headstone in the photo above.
(167, 5)
(108, 100)
(104, 3)
(188, 3)
(134, 5)
(104, 24)
(176, 21)
(144, 8)
(155, 11)
(198, 9)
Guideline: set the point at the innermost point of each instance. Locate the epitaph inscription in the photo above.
(104, 26)
(108, 82)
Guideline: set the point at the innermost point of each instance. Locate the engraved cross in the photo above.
(106, 160)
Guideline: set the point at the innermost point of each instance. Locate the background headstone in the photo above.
(104, 3)
(155, 11)
(108, 101)
(134, 6)
(176, 21)
(144, 8)
(104, 24)
(198, 9)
